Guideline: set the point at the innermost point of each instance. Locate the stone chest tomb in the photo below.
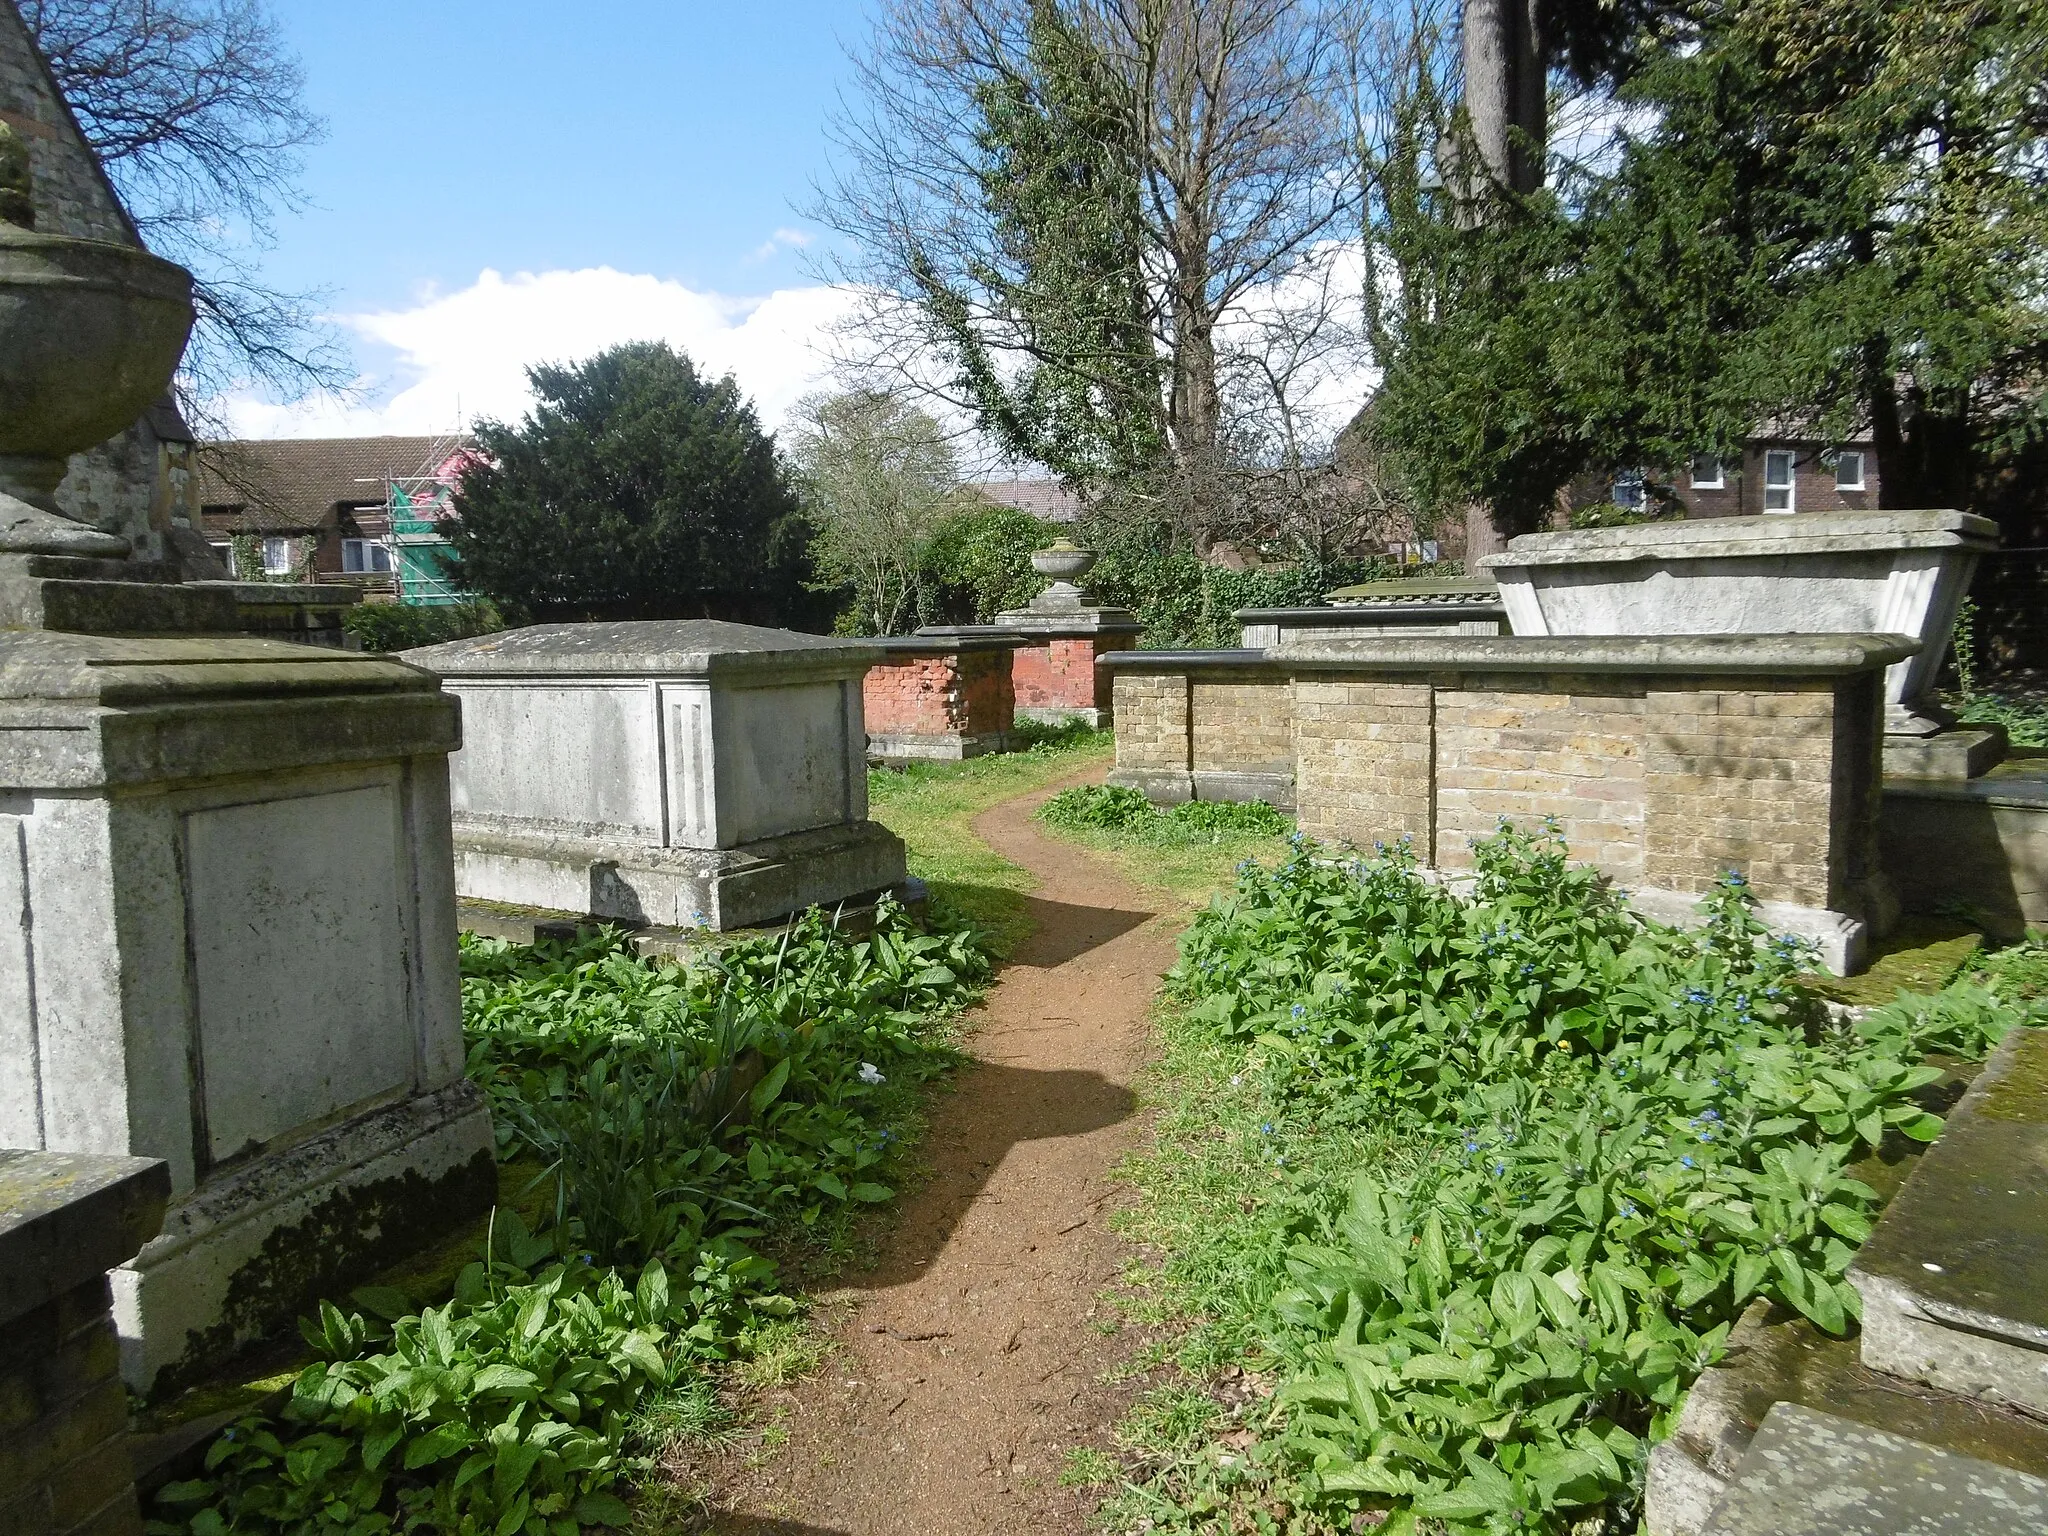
(229, 943)
(677, 773)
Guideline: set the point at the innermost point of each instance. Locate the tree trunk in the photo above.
(1506, 92)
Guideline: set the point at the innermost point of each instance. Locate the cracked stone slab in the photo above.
(1812, 1474)
(1955, 1278)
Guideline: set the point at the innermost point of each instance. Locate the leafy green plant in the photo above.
(2018, 972)
(1616, 1135)
(507, 1409)
(2025, 719)
(682, 1114)
(1117, 808)
(403, 626)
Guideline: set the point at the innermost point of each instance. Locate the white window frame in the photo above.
(362, 550)
(1861, 482)
(283, 548)
(1718, 481)
(1789, 488)
(1635, 481)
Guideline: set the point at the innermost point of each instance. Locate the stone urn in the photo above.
(1066, 563)
(90, 333)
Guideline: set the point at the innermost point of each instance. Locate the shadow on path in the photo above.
(1011, 1105)
(976, 1354)
(1062, 931)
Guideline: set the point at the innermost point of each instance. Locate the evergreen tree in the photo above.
(635, 488)
(1827, 211)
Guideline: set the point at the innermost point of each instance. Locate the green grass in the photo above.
(929, 806)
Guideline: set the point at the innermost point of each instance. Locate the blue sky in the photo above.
(621, 166)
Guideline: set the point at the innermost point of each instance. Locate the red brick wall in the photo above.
(989, 692)
(968, 694)
(1813, 484)
(1061, 674)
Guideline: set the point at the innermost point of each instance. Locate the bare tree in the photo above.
(197, 109)
(878, 480)
(1218, 120)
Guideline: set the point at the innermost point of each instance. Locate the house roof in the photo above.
(296, 483)
(1041, 498)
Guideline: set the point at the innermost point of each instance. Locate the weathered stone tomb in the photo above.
(681, 773)
(1665, 762)
(230, 944)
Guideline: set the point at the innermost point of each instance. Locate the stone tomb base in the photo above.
(1663, 761)
(229, 943)
(640, 886)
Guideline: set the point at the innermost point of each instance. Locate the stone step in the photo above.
(1774, 1356)
(1809, 1473)
(1955, 1278)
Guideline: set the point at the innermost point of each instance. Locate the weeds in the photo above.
(1485, 1179)
(684, 1115)
(1113, 808)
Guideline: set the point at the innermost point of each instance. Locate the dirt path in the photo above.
(967, 1360)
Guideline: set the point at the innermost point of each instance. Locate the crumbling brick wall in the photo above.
(963, 693)
(1061, 673)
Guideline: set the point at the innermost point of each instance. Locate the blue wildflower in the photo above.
(1688, 1162)
(1298, 1010)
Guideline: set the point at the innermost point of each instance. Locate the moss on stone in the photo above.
(1924, 954)
(340, 1245)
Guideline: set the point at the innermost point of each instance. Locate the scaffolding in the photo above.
(420, 559)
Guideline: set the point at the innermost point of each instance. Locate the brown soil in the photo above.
(968, 1362)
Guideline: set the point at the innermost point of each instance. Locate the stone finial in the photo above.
(17, 190)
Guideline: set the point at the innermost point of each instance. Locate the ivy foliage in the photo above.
(683, 1115)
(1623, 1133)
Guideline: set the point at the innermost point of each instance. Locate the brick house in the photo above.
(318, 509)
(1776, 471)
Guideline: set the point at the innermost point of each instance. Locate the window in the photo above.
(1628, 490)
(277, 557)
(1779, 495)
(1849, 470)
(1706, 472)
(365, 556)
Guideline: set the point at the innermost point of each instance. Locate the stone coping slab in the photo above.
(1064, 621)
(1723, 538)
(1451, 591)
(1812, 1474)
(1955, 1278)
(2020, 782)
(951, 642)
(68, 1217)
(1683, 655)
(120, 670)
(1775, 1356)
(1420, 611)
(642, 648)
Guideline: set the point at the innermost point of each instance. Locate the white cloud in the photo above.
(454, 357)
(782, 240)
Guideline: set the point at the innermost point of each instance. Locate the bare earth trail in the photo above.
(968, 1358)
